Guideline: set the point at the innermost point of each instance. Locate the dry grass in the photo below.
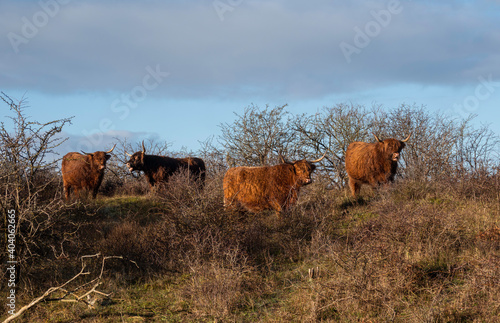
(412, 252)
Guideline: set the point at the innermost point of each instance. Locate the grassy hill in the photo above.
(412, 252)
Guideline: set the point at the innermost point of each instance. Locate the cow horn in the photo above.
(143, 149)
(282, 159)
(319, 159)
(109, 151)
(406, 138)
(85, 153)
(377, 137)
(128, 154)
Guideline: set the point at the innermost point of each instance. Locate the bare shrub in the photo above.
(258, 136)
(217, 288)
(332, 130)
(193, 228)
(29, 182)
(25, 171)
(189, 216)
(113, 185)
(184, 195)
(147, 245)
(214, 157)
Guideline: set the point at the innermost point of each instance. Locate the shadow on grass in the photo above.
(350, 202)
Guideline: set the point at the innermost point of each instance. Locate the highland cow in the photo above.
(158, 169)
(83, 171)
(372, 163)
(267, 187)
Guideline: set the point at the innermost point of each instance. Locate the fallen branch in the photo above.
(84, 298)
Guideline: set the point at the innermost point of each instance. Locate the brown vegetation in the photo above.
(423, 249)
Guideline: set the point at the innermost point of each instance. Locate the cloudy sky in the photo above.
(175, 70)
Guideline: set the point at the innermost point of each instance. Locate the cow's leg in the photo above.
(76, 192)
(355, 186)
(390, 179)
(94, 193)
(67, 192)
(202, 179)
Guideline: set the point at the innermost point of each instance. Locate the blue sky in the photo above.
(175, 70)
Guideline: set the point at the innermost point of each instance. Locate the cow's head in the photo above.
(136, 161)
(393, 147)
(303, 169)
(98, 159)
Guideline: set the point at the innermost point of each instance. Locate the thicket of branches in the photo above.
(23, 150)
(29, 182)
(440, 146)
(258, 135)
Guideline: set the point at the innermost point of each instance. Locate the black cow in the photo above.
(159, 168)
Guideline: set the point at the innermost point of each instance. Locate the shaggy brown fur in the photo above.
(372, 163)
(269, 187)
(83, 171)
(159, 168)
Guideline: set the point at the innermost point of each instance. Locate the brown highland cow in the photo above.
(83, 171)
(268, 187)
(372, 163)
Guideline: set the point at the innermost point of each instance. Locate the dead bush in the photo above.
(217, 288)
(147, 245)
